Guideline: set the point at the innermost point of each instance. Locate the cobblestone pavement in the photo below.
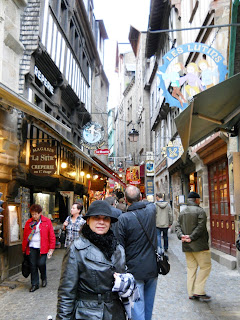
(171, 302)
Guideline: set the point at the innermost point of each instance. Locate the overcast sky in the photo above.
(117, 17)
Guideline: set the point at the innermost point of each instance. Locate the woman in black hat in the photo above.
(85, 290)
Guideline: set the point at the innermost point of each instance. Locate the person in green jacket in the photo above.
(191, 229)
(163, 220)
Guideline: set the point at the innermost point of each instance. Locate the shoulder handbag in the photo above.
(162, 260)
(62, 236)
(25, 266)
(238, 242)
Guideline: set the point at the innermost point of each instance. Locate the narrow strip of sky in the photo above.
(119, 15)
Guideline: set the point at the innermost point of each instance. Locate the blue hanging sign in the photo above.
(195, 83)
(172, 152)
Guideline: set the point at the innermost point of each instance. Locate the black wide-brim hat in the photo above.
(100, 208)
(193, 195)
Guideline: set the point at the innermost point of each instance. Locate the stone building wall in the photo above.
(237, 50)
(29, 38)
(176, 191)
(11, 48)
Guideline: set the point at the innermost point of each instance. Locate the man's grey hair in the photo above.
(132, 194)
(111, 200)
(192, 199)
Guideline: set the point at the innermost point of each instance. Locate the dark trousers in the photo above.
(165, 237)
(37, 261)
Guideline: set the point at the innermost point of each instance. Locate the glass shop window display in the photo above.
(47, 202)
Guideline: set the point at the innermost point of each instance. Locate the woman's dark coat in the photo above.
(86, 271)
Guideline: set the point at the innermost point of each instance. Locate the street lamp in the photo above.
(133, 135)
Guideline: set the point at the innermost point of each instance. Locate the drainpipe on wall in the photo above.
(233, 33)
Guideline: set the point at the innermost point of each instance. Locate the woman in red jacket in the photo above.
(38, 242)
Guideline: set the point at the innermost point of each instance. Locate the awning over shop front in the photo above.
(217, 108)
(114, 175)
(10, 98)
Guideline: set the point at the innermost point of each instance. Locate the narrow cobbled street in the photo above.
(17, 303)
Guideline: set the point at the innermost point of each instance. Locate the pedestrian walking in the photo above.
(121, 205)
(112, 201)
(163, 221)
(88, 269)
(119, 194)
(38, 243)
(191, 229)
(140, 255)
(117, 212)
(73, 224)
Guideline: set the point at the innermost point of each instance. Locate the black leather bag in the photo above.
(162, 260)
(62, 237)
(162, 263)
(26, 266)
(238, 242)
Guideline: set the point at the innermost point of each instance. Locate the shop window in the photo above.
(63, 15)
(219, 188)
(47, 109)
(76, 41)
(14, 226)
(37, 101)
(47, 202)
(71, 32)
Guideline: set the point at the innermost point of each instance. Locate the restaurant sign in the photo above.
(42, 160)
(102, 151)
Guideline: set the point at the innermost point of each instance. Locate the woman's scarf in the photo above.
(107, 243)
(33, 226)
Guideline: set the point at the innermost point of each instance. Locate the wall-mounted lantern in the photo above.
(133, 135)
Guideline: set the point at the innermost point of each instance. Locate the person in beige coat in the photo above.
(163, 220)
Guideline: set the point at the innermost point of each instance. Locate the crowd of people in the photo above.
(109, 269)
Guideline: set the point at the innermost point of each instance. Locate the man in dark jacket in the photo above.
(191, 229)
(140, 254)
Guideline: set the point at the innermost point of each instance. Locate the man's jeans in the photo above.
(142, 309)
(165, 237)
(37, 261)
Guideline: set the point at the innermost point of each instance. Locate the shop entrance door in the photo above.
(222, 223)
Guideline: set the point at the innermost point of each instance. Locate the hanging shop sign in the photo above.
(111, 183)
(150, 168)
(128, 174)
(102, 151)
(97, 185)
(199, 77)
(173, 150)
(92, 135)
(135, 175)
(149, 187)
(43, 160)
